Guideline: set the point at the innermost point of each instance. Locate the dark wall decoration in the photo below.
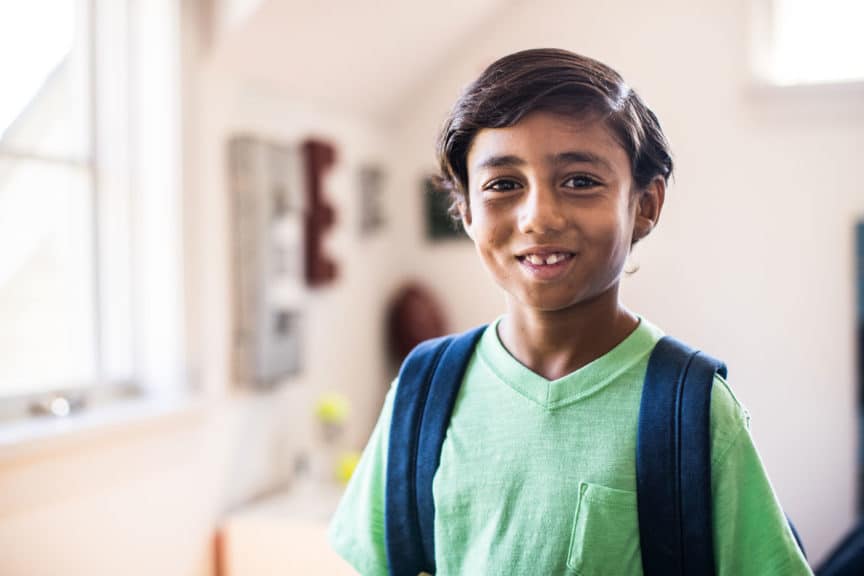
(439, 224)
(318, 158)
(371, 182)
(414, 314)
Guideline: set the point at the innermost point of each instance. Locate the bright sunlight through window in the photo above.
(816, 42)
(27, 58)
(58, 289)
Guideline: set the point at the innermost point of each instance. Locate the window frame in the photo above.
(132, 143)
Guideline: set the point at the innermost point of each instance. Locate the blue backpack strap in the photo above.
(673, 461)
(429, 382)
(847, 558)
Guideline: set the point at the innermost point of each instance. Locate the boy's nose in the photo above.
(539, 212)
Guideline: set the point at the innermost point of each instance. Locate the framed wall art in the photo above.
(371, 188)
(436, 204)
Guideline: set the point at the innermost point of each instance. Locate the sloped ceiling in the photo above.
(358, 56)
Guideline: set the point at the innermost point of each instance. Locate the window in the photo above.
(77, 314)
(807, 42)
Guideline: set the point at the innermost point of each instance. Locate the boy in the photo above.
(557, 169)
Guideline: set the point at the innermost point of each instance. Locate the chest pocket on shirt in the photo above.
(605, 536)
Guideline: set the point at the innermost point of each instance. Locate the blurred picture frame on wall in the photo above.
(439, 225)
(370, 180)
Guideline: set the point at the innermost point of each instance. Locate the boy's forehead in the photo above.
(548, 136)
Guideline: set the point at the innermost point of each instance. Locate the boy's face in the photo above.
(552, 210)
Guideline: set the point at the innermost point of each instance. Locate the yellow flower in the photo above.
(332, 408)
(345, 466)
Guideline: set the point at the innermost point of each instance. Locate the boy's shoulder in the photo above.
(729, 418)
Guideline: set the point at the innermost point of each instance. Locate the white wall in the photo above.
(753, 258)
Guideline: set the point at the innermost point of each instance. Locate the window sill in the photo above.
(35, 436)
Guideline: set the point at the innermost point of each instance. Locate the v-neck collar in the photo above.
(583, 382)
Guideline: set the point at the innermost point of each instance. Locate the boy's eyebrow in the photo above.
(570, 157)
(579, 157)
(501, 162)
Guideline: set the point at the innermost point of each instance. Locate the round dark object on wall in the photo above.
(414, 315)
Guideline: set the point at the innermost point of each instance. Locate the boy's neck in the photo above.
(554, 344)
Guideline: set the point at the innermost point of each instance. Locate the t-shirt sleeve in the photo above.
(356, 531)
(751, 534)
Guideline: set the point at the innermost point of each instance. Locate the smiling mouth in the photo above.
(550, 259)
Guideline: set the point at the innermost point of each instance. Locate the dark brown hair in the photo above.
(555, 81)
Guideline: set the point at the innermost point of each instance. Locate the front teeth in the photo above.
(549, 260)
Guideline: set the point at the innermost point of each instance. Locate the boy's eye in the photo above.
(581, 181)
(503, 185)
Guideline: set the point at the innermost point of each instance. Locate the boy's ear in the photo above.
(465, 214)
(649, 208)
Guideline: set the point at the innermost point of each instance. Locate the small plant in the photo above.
(345, 466)
(332, 411)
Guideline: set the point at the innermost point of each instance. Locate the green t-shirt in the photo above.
(539, 477)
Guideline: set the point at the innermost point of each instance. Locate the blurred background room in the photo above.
(217, 237)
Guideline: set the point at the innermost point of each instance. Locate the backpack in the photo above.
(673, 443)
(847, 557)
